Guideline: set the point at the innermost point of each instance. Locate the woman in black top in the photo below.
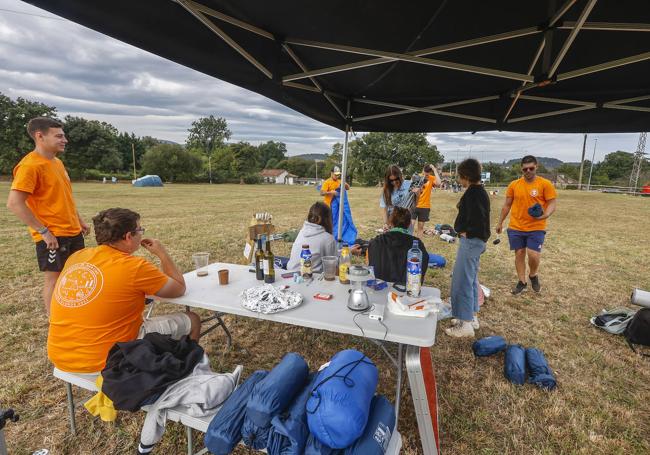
(473, 227)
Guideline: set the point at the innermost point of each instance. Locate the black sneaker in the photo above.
(521, 287)
(534, 281)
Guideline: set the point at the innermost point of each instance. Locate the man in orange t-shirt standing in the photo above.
(530, 201)
(329, 187)
(100, 296)
(41, 197)
(422, 209)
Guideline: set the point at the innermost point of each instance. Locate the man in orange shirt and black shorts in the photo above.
(530, 201)
(100, 296)
(422, 209)
(41, 196)
(329, 187)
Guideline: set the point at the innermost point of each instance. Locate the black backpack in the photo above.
(638, 330)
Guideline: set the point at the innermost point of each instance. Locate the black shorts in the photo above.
(54, 260)
(420, 214)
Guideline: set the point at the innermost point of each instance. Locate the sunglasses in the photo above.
(528, 169)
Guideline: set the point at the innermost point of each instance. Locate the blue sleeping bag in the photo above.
(315, 447)
(271, 396)
(289, 430)
(337, 411)
(380, 427)
(435, 260)
(540, 373)
(514, 365)
(488, 346)
(224, 431)
(349, 229)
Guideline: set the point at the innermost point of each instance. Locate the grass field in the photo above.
(597, 251)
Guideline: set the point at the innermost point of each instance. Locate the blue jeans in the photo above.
(464, 281)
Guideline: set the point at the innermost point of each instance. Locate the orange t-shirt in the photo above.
(424, 201)
(329, 185)
(526, 195)
(50, 194)
(98, 300)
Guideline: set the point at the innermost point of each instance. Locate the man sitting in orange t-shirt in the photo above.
(527, 228)
(99, 297)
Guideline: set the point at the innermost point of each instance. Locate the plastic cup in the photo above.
(201, 263)
(223, 276)
(330, 267)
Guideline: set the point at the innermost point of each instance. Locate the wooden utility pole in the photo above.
(135, 176)
(582, 162)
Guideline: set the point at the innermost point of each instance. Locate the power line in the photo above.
(31, 14)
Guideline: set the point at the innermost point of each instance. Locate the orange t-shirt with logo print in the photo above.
(50, 194)
(424, 201)
(330, 185)
(525, 195)
(98, 301)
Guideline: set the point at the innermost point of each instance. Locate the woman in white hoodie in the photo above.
(317, 233)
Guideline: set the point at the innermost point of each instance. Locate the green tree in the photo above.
(271, 152)
(617, 165)
(246, 159)
(497, 172)
(171, 162)
(14, 140)
(570, 170)
(91, 145)
(126, 145)
(207, 134)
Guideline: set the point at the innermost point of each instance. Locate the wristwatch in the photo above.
(43, 231)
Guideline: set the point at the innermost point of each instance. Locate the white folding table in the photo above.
(414, 336)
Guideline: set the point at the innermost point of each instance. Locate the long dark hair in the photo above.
(320, 214)
(393, 170)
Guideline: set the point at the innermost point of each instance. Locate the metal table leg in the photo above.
(220, 323)
(68, 390)
(422, 380)
(398, 392)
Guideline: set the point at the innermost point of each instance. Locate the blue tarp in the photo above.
(349, 229)
(148, 180)
(337, 411)
(379, 430)
(271, 396)
(224, 431)
(289, 430)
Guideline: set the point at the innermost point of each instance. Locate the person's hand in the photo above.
(499, 228)
(85, 229)
(50, 241)
(356, 249)
(153, 246)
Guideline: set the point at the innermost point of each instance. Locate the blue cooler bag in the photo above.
(488, 346)
(224, 431)
(379, 430)
(337, 411)
(271, 396)
(514, 365)
(540, 373)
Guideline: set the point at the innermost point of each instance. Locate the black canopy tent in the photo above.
(568, 66)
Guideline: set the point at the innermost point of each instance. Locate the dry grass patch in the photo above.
(596, 252)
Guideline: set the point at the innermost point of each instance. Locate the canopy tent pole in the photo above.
(344, 173)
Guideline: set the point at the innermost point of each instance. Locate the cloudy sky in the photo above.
(81, 72)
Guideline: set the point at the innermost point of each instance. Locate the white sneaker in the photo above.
(475, 324)
(461, 330)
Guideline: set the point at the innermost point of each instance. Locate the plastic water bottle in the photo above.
(414, 270)
(305, 262)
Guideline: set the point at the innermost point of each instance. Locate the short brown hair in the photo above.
(42, 124)
(400, 217)
(470, 169)
(111, 225)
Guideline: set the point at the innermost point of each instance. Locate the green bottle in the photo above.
(269, 270)
(259, 260)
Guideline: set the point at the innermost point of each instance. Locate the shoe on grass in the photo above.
(534, 282)
(475, 323)
(519, 288)
(461, 330)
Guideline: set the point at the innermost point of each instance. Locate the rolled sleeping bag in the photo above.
(378, 431)
(337, 410)
(538, 369)
(488, 346)
(289, 430)
(224, 431)
(435, 260)
(536, 210)
(641, 298)
(271, 396)
(315, 447)
(514, 364)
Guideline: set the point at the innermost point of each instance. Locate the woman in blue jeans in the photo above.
(473, 227)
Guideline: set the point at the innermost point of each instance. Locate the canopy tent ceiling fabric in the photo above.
(412, 66)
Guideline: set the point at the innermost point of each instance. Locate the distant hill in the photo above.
(549, 163)
(311, 156)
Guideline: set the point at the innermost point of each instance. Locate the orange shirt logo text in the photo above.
(79, 285)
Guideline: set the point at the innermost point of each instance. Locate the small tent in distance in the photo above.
(148, 180)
